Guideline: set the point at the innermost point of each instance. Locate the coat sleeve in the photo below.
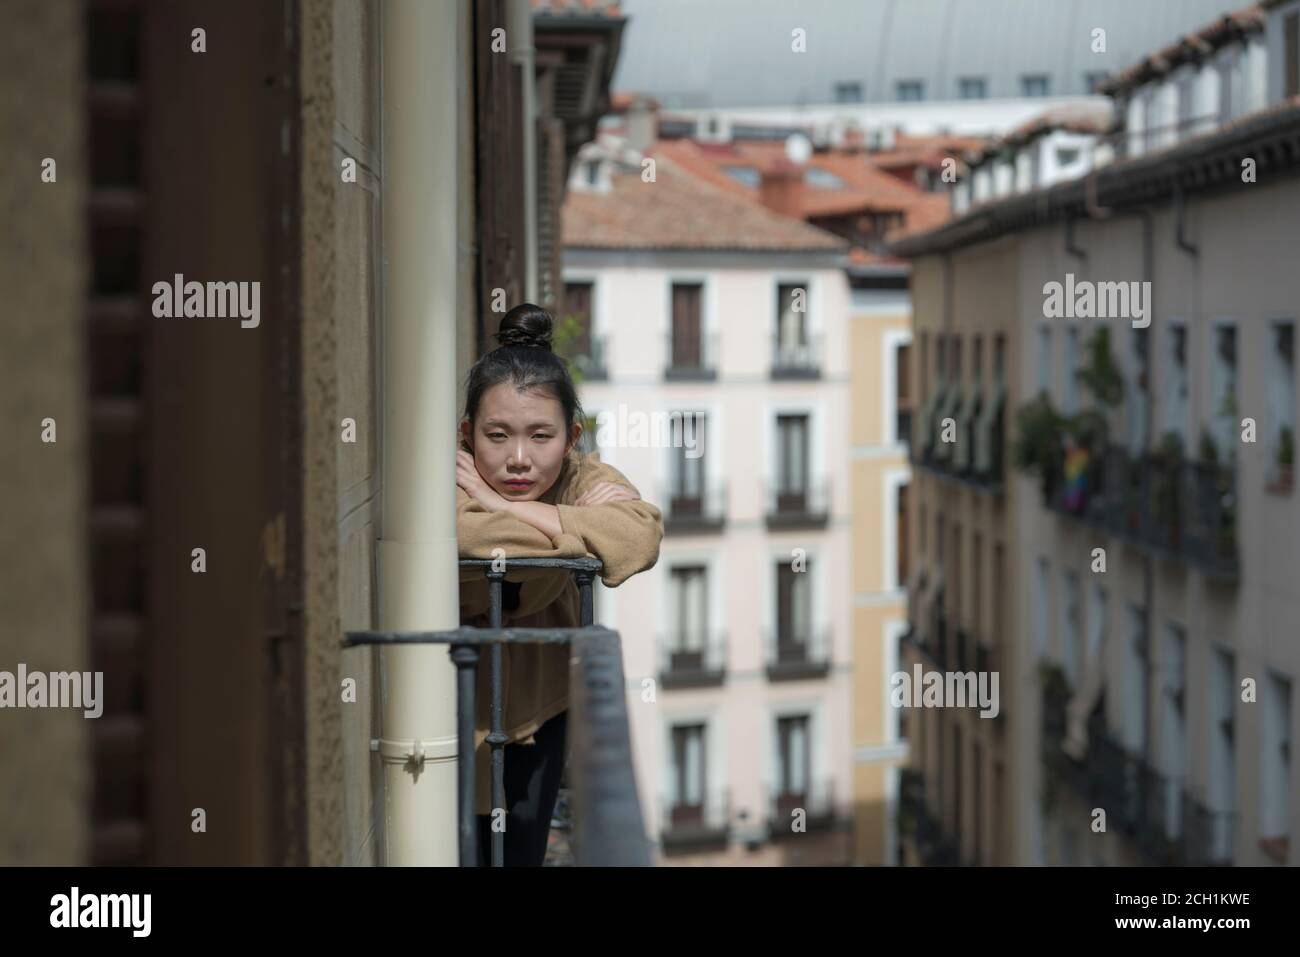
(625, 536)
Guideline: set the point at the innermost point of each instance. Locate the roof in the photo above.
(1188, 49)
(1207, 162)
(576, 8)
(737, 53)
(1096, 118)
(682, 211)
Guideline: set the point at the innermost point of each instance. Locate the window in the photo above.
(1176, 382)
(1173, 734)
(822, 179)
(909, 90)
(792, 338)
(999, 593)
(1070, 401)
(1137, 676)
(999, 356)
(977, 784)
(793, 609)
(972, 88)
(1281, 390)
(1227, 84)
(593, 172)
(1291, 55)
(689, 773)
(585, 350)
(1093, 79)
(1138, 394)
(686, 481)
(1223, 412)
(1045, 359)
(1034, 84)
(792, 463)
(1275, 770)
(792, 763)
(687, 334)
(1067, 155)
(1071, 645)
(902, 537)
(691, 617)
(1042, 597)
(849, 92)
(1221, 779)
(903, 394)
(744, 174)
(977, 583)
(920, 528)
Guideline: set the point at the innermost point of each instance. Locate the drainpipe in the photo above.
(519, 14)
(417, 553)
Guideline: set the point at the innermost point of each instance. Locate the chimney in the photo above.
(781, 188)
(641, 122)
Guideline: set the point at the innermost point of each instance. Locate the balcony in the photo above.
(701, 823)
(799, 359)
(607, 828)
(815, 799)
(696, 511)
(695, 660)
(804, 504)
(691, 359)
(797, 655)
(1174, 509)
(933, 844)
(976, 457)
(1155, 813)
(590, 361)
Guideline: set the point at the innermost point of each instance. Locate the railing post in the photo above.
(465, 657)
(496, 738)
(587, 612)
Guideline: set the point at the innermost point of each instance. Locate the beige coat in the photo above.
(625, 536)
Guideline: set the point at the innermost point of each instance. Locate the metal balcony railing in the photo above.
(692, 358)
(1154, 812)
(800, 504)
(590, 361)
(935, 846)
(692, 659)
(816, 799)
(1180, 510)
(608, 828)
(695, 821)
(696, 510)
(799, 653)
(797, 359)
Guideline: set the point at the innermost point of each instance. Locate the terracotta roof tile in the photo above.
(682, 211)
(1190, 47)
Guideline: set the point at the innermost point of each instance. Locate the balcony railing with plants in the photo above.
(796, 654)
(800, 359)
(607, 824)
(695, 510)
(1157, 500)
(697, 822)
(803, 504)
(692, 659)
(934, 845)
(816, 799)
(1153, 811)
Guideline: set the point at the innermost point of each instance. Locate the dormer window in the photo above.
(593, 172)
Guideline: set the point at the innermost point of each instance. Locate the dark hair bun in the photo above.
(526, 325)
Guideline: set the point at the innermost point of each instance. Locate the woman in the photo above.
(526, 491)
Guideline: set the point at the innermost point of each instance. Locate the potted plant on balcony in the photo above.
(1038, 446)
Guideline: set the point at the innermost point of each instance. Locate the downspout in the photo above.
(519, 14)
(418, 587)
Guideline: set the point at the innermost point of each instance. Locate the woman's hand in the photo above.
(603, 493)
(475, 486)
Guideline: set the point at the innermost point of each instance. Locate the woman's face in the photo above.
(519, 441)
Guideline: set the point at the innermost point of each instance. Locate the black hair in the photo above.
(524, 358)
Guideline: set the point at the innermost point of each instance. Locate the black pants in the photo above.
(532, 784)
